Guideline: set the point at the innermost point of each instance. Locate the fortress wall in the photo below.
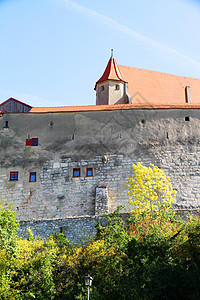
(168, 138)
(76, 229)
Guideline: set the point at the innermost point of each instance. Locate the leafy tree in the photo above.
(150, 192)
(8, 247)
(8, 230)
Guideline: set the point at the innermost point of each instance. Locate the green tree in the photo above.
(8, 248)
(8, 230)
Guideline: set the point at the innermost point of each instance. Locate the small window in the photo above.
(89, 172)
(76, 172)
(6, 124)
(102, 88)
(32, 177)
(13, 175)
(187, 118)
(32, 142)
(35, 142)
(28, 142)
(117, 87)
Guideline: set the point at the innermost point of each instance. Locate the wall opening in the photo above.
(32, 142)
(89, 172)
(13, 176)
(6, 124)
(32, 177)
(76, 172)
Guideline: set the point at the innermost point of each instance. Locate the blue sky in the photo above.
(53, 51)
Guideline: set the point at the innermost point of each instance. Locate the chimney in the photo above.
(188, 96)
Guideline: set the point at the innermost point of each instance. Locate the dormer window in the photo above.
(117, 87)
(102, 88)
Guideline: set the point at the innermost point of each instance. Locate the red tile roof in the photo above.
(111, 72)
(146, 106)
(149, 87)
(148, 90)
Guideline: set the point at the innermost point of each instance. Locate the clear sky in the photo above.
(53, 51)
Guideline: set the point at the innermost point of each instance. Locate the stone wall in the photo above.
(169, 139)
(77, 229)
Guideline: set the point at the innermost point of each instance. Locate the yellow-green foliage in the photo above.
(125, 260)
(140, 258)
(8, 229)
(150, 190)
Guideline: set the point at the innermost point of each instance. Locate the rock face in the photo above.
(82, 159)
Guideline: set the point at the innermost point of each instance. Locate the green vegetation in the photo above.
(149, 256)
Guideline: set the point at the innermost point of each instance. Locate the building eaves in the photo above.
(144, 106)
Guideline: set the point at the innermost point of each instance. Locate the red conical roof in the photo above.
(111, 72)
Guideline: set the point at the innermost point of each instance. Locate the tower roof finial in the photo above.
(111, 72)
(112, 53)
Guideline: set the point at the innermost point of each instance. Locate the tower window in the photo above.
(187, 118)
(76, 172)
(89, 172)
(102, 88)
(32, 177)
(13, 176)
(117, 87)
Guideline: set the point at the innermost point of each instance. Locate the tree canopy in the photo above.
(150, 190)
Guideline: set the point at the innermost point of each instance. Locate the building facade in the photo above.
(59, 163)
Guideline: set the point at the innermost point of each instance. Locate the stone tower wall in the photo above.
(66, 141)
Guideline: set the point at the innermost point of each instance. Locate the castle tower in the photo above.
(111, 87)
